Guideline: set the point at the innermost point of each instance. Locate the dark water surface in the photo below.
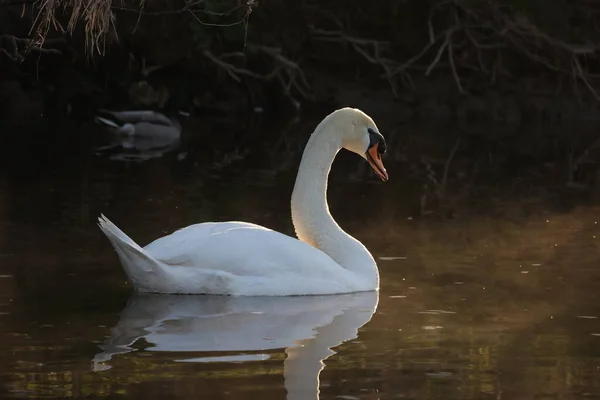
(496, 304)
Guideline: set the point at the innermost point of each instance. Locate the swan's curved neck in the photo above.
(310, 213)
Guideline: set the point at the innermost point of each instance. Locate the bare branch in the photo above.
(416, 57)
(442, 186)
(453, 67)
(583, 77)
(13, 42)
(482, 31)
(233, 71)
(287, 72)
(368, 48)
(440, 51)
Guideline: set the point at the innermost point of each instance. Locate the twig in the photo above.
(288, 73)
(478, 48)
(295, 74)
(241, 21)
(445, 43)
(430, 25)
(574, 165)
(190, 6)
(13, 51)
(231, 69)
(582, 76)
(442, 187)
(416, 57)
(453, 67)
(360, 46)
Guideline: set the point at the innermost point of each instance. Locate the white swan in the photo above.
(239, 258)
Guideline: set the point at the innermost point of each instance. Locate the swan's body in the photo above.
(139, 123)
(238, 258)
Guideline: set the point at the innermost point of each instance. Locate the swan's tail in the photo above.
(138, 264)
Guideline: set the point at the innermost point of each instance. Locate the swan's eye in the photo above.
(376, 138)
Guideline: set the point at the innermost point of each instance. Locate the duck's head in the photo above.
(361, 136)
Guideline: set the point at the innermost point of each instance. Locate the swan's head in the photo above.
(127, 129)
(361, 136)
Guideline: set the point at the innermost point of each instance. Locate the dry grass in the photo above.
(96, 16)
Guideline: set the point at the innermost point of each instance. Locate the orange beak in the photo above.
(374, 159)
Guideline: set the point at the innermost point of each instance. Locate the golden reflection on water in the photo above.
(496, 305)
(458, 318)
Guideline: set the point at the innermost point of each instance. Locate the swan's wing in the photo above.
(181, 246)
(171, 246)
(240, 249)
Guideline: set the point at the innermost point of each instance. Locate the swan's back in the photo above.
(190, 239)
(245, 258)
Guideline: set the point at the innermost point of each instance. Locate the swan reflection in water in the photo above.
(137, 148)
(307, 327)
